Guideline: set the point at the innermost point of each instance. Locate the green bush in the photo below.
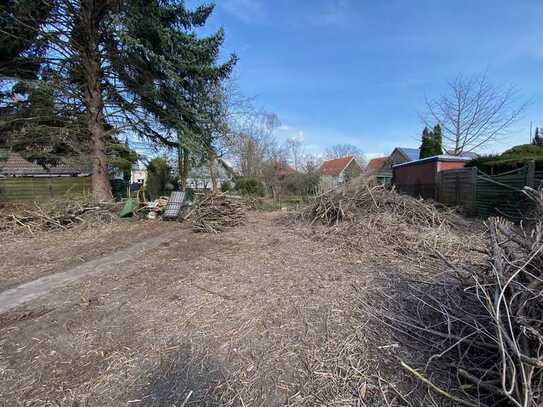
(300, 184)
(249, 186)
(225, 186)
(159, 178)
(511, 159)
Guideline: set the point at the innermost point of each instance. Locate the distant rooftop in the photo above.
(376, 164)
(334, 167)
(13, 164)
(442, 158)
(412, 154)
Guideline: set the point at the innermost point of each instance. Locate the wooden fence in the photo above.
(42, 188)
(457, 187)
(488, 195)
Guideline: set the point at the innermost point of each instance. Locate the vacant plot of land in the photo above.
(255, 316)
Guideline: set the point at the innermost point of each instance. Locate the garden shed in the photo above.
(419, 178)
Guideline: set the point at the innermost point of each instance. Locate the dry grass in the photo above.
(257, 315)
(237, 318)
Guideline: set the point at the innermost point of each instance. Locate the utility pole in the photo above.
(531, 124)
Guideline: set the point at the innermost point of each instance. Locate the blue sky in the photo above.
(357, 71)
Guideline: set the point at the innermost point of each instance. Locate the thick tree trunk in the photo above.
(101, 187)
(212, 162)
(183, 167)
(90, 59)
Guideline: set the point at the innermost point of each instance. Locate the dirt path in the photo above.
(255, 316)
(19, 295)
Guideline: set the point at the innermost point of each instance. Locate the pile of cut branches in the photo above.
(378, 222)
(213, 213)
(53, 216)
(479, 329)
(362, 196)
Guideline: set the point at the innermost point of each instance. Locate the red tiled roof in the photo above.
(16, 165)
(376, 164)
(334, 167)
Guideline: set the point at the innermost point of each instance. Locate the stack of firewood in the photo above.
(214, 212)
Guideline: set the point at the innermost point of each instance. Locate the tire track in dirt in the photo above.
(24, 293)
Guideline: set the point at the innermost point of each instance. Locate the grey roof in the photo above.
(13, 164)
(442, 158)
(469, 154)
(411, 153)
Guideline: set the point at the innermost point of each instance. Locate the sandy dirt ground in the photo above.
(254, 316)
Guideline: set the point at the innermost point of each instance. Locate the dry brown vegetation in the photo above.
(368, 298)
(213, 213)
(381, 225)
(32, 218)
(468, 328)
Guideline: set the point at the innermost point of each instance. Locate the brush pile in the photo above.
(54, 216)
(477, 331)
(361, 197)
(377, 222)
(213, 213)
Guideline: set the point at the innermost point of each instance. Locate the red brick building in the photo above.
(419, 178)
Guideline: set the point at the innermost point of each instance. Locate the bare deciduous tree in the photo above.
(252, 143)
(295, 148)
(474, 112)
(344, 150)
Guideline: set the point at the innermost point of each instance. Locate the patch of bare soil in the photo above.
(27, 258)
(256, 315)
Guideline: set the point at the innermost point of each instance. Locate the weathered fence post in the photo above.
(530, 174)
(473, 206)
(437, 192)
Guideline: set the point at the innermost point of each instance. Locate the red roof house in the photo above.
(376, 164)
(339, 170)
(334, 167)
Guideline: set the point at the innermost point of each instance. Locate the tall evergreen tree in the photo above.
(122, 64)
(187, 100)
(431, 141)
(437, 140)
(426, 147)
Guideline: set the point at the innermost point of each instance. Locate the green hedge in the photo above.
(14, 189)
(509, 160)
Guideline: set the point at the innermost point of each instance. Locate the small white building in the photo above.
(338, 171)
(200, 177)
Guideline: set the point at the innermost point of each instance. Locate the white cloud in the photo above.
(371, 156)
(335, 13)
(245, 10)
(286, 132)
